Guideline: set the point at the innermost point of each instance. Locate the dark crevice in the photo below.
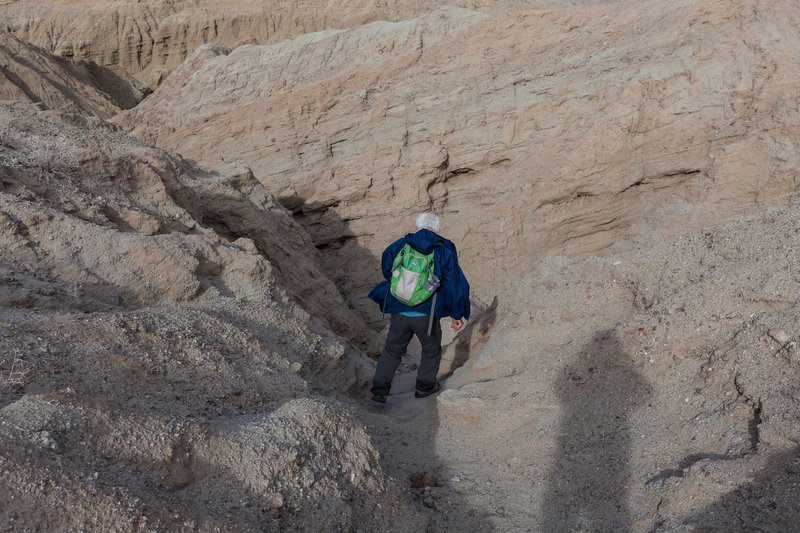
(333, 244)
(684, 174)
(688, 462)
(755, 421)
(753, 426)
(220, 227)
(691, 460)
(456, 171)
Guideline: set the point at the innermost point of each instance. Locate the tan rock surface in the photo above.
(187, 233)
(566, 131)
(149, 39)
(31, 74)
(638, 392)
(174, 380)
(154, 371)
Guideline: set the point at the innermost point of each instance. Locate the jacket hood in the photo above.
(424, 240)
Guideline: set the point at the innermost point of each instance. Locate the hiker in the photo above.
(439, 261)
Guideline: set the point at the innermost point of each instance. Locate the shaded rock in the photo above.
(276, 501)
(420, 480)
(35, 75)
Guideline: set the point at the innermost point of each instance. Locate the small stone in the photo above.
(780, 336)
(307, 478)
(276, 502)
(455, 479)
(420, 480)
(501, 510)
(428, 501)
(48, 440)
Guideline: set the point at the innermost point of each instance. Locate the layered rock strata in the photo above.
(536, 132)
(31, 74)
(126, 224)
(150, 39)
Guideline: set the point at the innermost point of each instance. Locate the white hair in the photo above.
(429, 221)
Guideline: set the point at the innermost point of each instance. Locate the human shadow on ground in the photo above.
(597, 389)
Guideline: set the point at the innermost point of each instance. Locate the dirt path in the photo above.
(405, 433)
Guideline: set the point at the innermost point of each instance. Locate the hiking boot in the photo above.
(422, 394)
(379, 398)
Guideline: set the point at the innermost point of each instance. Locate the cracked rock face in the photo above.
(570, 131)
(123, 224)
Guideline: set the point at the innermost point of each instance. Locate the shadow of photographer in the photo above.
(587, 482)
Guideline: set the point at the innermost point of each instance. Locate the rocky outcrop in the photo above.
(570, 131)
(30, 74)
(159, 369)
(117, 223)
(150, 39)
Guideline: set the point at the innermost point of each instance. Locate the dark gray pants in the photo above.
(401, 329)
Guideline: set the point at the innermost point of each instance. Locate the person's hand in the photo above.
(456, 324)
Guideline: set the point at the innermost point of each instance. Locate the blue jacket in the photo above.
(453, 295)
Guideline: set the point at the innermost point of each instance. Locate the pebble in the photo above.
(276, 502)
(501, 510)
(423, 479)
(455, 479)
(307, 478)
(780, 336)
(48, 440)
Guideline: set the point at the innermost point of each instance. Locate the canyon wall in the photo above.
(173, 355)
(31, 74)
(571, 131)
(150, 39)
(156, 367)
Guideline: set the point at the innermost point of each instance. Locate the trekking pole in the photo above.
(433, 310)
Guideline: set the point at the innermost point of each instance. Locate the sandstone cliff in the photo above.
(150, 39)
(31, 74)
(567, 131)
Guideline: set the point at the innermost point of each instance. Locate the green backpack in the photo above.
(413, 278)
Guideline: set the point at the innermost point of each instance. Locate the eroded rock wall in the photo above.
(125, 224)
(647, 390)
(31, 74)
(157, 368)
(150, 39)
(534, 132)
